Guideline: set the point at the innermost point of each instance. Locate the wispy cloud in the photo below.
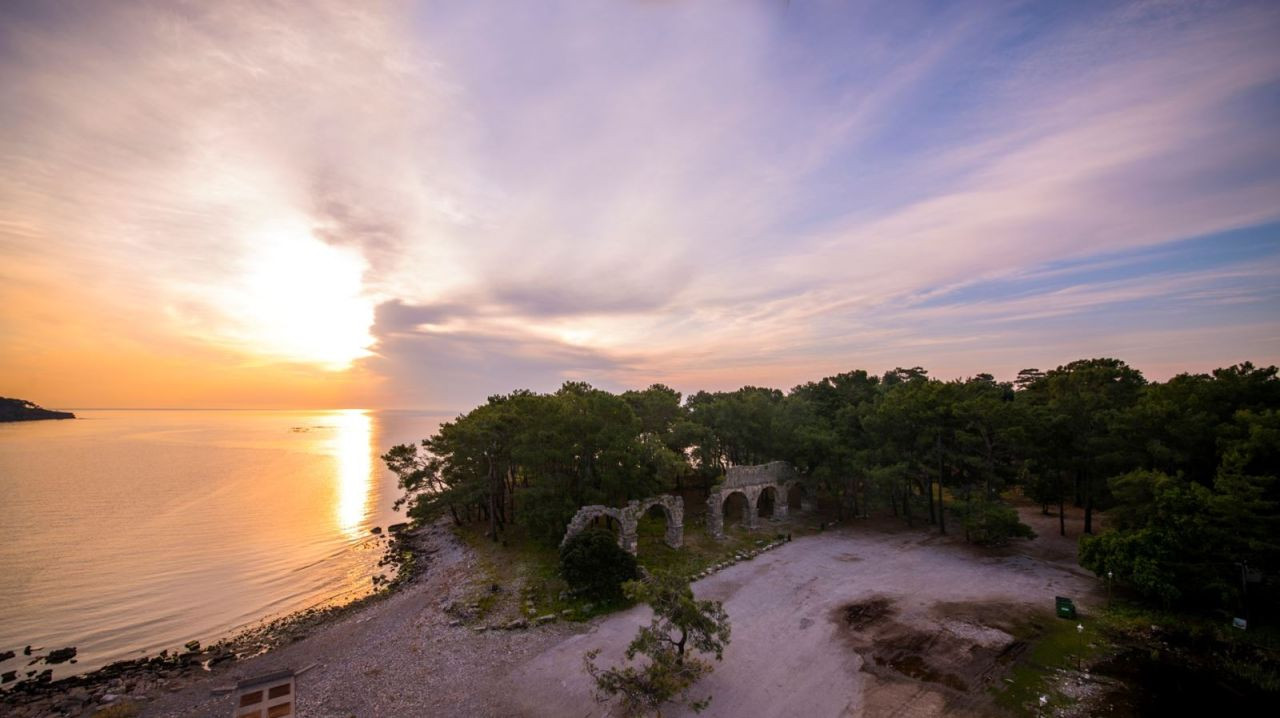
(457, 199)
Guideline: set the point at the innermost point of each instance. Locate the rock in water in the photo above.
(61, 655)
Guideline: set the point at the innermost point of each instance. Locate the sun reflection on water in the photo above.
(351, 446)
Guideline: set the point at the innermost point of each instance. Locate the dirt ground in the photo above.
(860, 621)
(871, 619)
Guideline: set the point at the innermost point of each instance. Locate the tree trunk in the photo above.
(1062, 513)
(493, 502)
(1088, 503)
(942, 510)
(968, 510)
(933, 518)
(942, 504)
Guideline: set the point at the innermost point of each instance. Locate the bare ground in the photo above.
(854, 622)
(870, 620)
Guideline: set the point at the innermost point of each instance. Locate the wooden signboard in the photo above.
(269, 696)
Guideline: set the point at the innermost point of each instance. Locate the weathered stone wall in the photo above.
(628, 517)
(774, 472)
(751, 482)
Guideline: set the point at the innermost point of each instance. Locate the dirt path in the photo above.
(852, 622)
(865, 621)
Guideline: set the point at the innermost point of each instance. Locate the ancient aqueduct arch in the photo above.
(751, 482)
(629, 518)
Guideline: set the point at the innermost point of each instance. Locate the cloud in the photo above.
(506, 195)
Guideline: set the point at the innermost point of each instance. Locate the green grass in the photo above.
(1252, 657)
(529, 571)
(1055, 644)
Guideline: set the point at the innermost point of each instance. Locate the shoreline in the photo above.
(131, 679)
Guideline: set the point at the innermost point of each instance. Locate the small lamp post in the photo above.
(1080, 656)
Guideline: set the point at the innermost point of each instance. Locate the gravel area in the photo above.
(861, 621)
(867, 620)
(396, 657)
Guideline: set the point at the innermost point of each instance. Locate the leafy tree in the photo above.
(1082, 400)
(1159, 541)
(991, 522)
(682, 628)
(593, 564)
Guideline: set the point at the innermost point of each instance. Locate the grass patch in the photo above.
(528, 571)
(1054, 644)
(1208, 648)
(124, 709)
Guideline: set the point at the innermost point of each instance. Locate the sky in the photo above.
(421, 204)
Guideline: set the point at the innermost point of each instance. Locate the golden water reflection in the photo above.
(352, 444)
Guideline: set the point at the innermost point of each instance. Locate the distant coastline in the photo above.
(23, 410)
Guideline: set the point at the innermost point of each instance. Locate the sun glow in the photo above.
(301, 299)
(351, 447)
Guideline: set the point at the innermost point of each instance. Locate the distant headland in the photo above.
(23, 410)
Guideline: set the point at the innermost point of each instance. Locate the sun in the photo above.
(301, 299)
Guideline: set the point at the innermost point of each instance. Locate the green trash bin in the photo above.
(1066, 607)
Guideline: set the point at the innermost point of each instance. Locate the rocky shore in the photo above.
(31, 691)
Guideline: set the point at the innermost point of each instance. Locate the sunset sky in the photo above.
(216, 204)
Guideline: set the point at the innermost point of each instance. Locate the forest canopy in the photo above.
(1185, 469)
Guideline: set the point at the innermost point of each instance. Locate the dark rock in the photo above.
(397, 528)
(375, 530)
(8, 676)
(23, 410)
(26, 651)
(61, 655)
(6, 655)
(192, 645)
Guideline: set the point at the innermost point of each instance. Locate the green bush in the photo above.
(993, 523)
(594, 565)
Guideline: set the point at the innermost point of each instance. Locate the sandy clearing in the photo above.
(396, 657)
(792, 654)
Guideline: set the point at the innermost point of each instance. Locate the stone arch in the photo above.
(796, 496)
(585, 515)
(748, 506)
(767, 502)
(751, 482)
(628, 519)
(672, 508)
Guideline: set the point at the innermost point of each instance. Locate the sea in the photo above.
(128, 532)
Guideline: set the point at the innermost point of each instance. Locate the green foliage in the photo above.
(1179, 542)
(991, 522)
(682, 628)
(593, 564)
(923, 449)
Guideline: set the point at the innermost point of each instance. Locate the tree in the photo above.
(682, 627)
(1084, 400)
(593, 564)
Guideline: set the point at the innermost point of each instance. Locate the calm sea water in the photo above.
(127, 532)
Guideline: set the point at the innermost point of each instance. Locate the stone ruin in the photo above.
(752, 482)
(628, 517)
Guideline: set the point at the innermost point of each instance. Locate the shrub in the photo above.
(594, 565)
(682, 628)
(993, 523)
